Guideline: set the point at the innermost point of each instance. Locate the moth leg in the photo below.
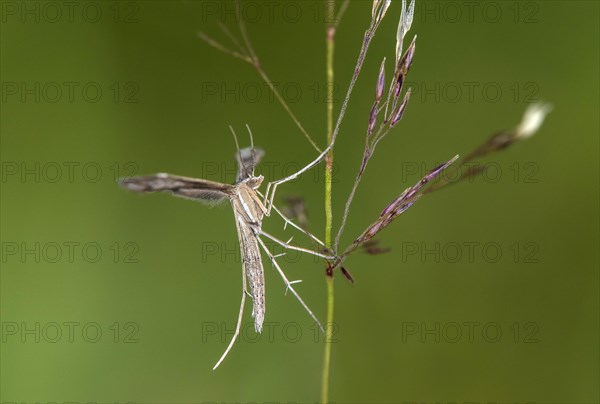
(295, 226)
(272, 186)
(293, 247)
(239, 321)
(288, 284)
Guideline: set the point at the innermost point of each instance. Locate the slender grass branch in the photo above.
(398, 104)
(330, 49)
(285, 106)
(248, 55)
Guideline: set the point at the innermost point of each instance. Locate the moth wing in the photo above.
(190, 188)
(252, 268)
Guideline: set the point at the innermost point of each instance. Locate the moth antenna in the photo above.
(252, 147)
(237, 147)
(235, 139)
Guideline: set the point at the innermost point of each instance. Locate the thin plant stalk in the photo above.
(248, 55)
(330, 49)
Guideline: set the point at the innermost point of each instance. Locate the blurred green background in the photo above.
(112, 297)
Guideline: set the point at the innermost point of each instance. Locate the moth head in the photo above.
(254, 182)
